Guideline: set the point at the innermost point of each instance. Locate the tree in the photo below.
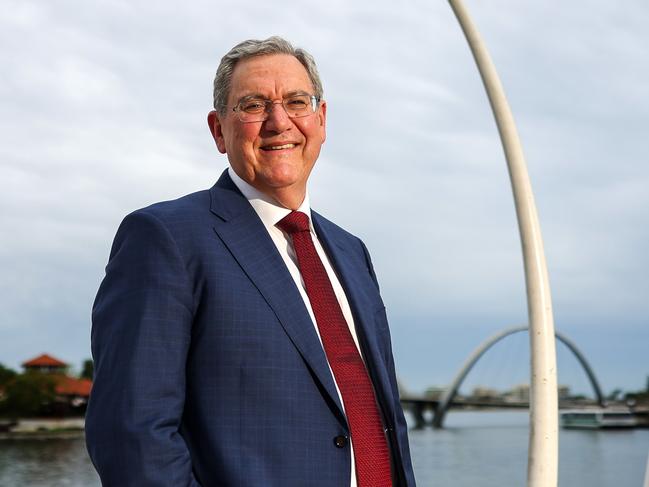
(87, 369)
(6, 374)
(29, 394)
(615, 395)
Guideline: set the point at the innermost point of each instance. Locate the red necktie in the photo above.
(370, 445)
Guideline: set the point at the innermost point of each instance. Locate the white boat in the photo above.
(598, 419)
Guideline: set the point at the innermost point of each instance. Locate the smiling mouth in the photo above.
(278, 147)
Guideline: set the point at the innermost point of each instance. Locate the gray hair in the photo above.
(255, 47)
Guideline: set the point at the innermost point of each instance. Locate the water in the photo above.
(46, 463)
(475, 449)
(489, 449)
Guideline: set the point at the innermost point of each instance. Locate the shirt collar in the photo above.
(269, 211)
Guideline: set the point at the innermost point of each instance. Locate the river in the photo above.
(486, 449)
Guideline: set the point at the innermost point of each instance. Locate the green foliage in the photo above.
(87, 369)
(28, 394)
(6, 375)
(640, 397)
(615, 395)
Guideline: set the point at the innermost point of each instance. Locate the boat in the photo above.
(598, 419)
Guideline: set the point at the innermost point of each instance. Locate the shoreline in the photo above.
(42, 435)
(43, 428)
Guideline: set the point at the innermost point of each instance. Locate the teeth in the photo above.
(279, 147)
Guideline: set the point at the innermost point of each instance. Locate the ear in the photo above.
(322, 119)
(214, 123)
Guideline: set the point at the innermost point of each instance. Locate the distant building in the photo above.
(481, 392)
(434, 392)
(519, 393)
(563, 392)
(72, 393)
(45, 363)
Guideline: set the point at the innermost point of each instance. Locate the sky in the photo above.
(104, 110)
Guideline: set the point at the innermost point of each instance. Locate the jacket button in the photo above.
(340, 441)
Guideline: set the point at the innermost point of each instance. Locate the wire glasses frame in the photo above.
(255, 109)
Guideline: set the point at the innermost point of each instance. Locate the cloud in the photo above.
(104, 110)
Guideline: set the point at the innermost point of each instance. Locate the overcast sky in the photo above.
(103, 111)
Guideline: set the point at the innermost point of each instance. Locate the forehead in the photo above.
(270, 76)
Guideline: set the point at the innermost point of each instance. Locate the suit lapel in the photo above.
(354, 277)
(245, 236)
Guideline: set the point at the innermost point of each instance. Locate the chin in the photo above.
(282, 177)
(279, 183)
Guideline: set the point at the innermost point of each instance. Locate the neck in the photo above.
(287, 197)
(290, 197)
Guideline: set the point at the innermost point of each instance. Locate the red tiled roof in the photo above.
(69, 386)
(44, 360)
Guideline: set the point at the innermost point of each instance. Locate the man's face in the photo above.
(275, 156)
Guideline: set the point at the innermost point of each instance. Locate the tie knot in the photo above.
(294, 222)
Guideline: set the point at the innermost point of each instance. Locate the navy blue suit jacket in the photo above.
(208, 369)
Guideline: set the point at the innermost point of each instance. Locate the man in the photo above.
(239, 338)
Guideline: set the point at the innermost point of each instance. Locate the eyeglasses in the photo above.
(253, 109)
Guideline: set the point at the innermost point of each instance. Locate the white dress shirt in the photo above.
(271, 212)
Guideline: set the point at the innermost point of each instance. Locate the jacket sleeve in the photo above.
(141, 330)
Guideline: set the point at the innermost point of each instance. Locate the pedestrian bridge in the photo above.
(419, 405)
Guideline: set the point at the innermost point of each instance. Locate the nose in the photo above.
(278, 120)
